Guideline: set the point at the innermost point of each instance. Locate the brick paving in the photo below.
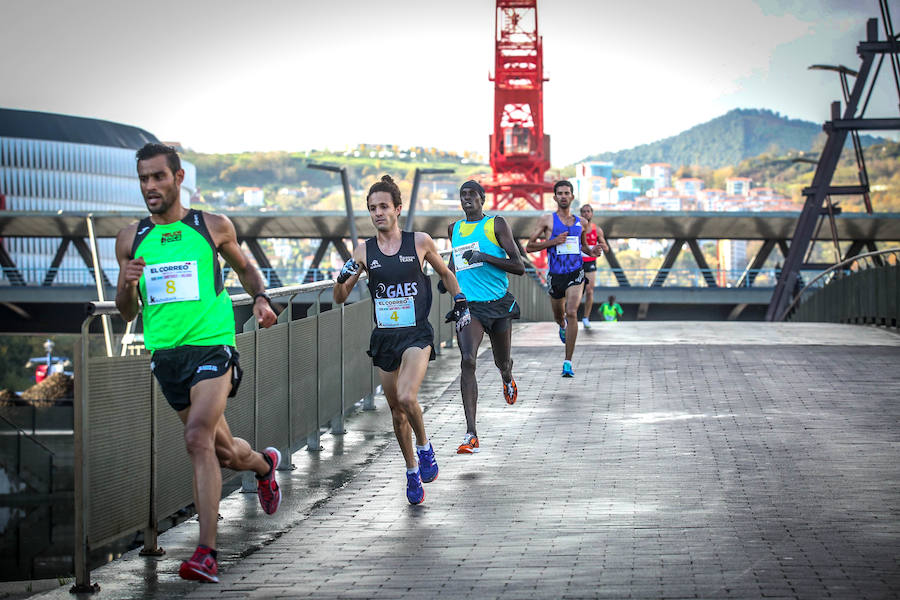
(684, 470)
(660, 472)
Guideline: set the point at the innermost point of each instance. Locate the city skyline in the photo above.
(227, 77)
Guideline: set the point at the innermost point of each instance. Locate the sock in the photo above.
(424, 448)
(416, 470)
(271, 466)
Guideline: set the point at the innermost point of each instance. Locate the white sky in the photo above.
(226, 76)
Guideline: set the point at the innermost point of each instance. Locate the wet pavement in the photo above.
(684, 460)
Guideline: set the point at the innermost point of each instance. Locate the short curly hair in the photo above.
(386, 185)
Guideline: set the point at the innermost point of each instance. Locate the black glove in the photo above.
(442, 289)
(459, 313)
(473, 256)
(350, 268)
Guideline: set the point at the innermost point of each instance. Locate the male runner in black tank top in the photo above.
(402, 342)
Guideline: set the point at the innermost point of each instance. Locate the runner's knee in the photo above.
(468, 361)
(198, 439)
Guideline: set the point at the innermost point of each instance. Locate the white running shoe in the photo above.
(586, 323)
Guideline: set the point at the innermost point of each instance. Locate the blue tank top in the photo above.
(565, 258)
(480, 282)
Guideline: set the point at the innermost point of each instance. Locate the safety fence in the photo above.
(864, 290)
(301, 378)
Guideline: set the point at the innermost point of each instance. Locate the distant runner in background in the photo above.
(402, 342)
(484, 251)
(610, 310)
(170, 260)
(563, 235)
(589, 264)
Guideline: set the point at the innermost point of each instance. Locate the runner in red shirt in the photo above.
(589, 264)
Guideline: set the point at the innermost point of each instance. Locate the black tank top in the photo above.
(401, 292)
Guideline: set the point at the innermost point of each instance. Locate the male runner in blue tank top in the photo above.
(563, 235)
(484, 251)
(402, 342)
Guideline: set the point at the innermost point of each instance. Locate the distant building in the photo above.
(689, 186)
(661, 173)
(710, 199)
(51, 162)
(642, 185)
(737, 186)
(253, 196)
(732, 255)
(591, 181)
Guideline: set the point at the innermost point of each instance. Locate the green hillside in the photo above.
(727, 140)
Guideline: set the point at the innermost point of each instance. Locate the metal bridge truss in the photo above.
(818, 205)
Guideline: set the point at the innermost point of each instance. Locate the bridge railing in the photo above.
(301, 378)
(864, 289)
(606, 277)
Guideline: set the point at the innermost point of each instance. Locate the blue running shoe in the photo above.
(415, 493)
(568, 371)
(427, 464)
(562, 332)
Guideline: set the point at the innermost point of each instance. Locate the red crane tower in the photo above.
(520, 151)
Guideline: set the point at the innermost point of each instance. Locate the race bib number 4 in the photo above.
(572, 245)
(459, 262)
(172, 282)
(395, 312)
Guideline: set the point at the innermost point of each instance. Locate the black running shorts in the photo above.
(560, 282)
(589, 266)
(386, 346)
(179, 369)
(496, 315)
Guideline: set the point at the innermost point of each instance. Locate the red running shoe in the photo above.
(510, 391)
(266, 487)
(201, 567)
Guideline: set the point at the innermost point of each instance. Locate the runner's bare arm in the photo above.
(342, 290)
(543, 229)
(429, 252)
(601, 240)
(450, 265)
(130, 270)
(585, 247)
(225, 237)
(513, 264)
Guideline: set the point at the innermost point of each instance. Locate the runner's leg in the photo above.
(201, 419)
(559, 310)
(571, 299)
(207, 430)
(589, 293)
(469, 340)
(501, 343)
(401, 388)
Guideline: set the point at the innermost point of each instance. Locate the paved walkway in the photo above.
(684, 460)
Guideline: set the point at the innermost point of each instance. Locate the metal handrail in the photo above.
(837, 267)
(28, 435)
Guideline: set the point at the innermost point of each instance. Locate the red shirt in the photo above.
(591, 238)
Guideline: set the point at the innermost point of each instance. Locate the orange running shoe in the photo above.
(510, 391)
(469, 445)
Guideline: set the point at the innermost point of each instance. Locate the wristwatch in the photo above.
(262, 295)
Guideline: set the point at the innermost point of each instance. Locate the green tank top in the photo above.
(182, 290)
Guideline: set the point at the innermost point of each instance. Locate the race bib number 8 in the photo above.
(172, 282)
(395, 312)
(572, 245)
(459, 262)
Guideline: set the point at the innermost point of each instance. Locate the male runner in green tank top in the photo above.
(170, 262)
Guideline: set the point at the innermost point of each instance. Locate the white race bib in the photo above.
(459, 262)
(172, 282)
(572, 245)
(395, 312)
